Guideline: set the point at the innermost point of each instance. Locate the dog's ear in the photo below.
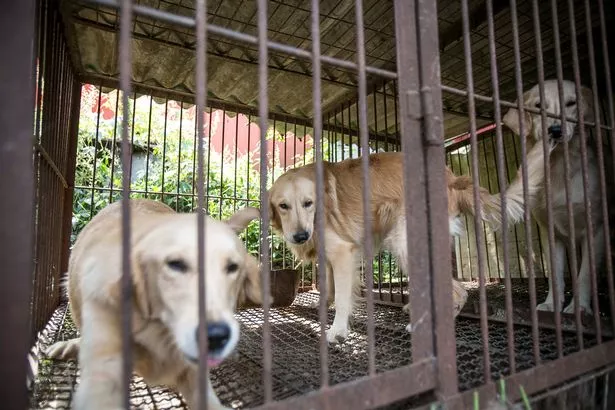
(330, 190)
(274, 217)
(240, 219)
(587, 101)
(511, 118)
(250, 289)
(143, 272)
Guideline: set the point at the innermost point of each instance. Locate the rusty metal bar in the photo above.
(611, 121)
(320, 191)
(572, 253)
(477, 203)
(601, 164)
(543, 376)
(201, 99)
(368, 245)
(189, 22)
(589, 229)
(17, 79)
(417, 229)
(392, 386)
(524, 170)
(547, 177)
(125, 55)
(263, 105)
(502, 182)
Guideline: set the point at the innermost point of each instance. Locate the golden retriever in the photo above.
(165, 312)
(292, 203)
(571, 106)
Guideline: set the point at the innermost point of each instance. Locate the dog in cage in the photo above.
(165, 316)
(571, 105)
(292, 202)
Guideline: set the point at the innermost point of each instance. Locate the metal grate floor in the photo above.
(296, 362)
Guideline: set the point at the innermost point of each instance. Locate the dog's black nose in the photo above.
(555, 131)
(218, 335)
(301, 236)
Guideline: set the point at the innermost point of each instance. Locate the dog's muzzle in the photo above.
(301, 236)
(555, 131)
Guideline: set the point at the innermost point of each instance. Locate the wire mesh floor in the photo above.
(296, 362)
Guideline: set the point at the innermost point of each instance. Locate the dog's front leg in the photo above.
(584, 278)
(100, 359)
(556, 272)
(188, 387)
(342, 259)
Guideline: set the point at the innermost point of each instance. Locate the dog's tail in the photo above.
(463, 190)
(535, 177)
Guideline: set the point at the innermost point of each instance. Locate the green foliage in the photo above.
(169, 172)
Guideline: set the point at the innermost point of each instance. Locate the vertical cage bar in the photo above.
(320, 190)
(611, 123)
(501, 172)
(96, 137)
(113, 147)
(547, 169)
(417, 229)
(524, 170)
(478, 233)
(368, 247)
(17, 79)
(125, 52)
(201, 98)
(601, 164)
(263, 108)
(589, 229)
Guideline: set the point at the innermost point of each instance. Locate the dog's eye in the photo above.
(538, 105)
(231, 267)
(571, 103)
(283, 206)
(307, 203)
(177, 265)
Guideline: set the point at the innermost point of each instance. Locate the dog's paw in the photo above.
(545, 307)
(335, 335)
(64, 350)
(406, 308)
(584, 308)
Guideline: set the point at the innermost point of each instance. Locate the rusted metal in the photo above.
(391, 386)
(320, 192)
(125, 54)
(263, 105)
(526, 218)
(601, 165)
(477, 204)
(611, 122)
(368, 245)
(414, 187)
(201, 95)
(547, 169)
(17, 210)
(572, 253)
(589, 229)
(543, 376)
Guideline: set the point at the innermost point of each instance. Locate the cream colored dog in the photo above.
(292, 202)
(571, 106)
(165, 311)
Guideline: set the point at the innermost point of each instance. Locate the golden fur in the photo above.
(572, 105)
(292, 203)
(165, 310)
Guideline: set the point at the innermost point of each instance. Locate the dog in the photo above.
(557, 133)
(165, 294)
(292, 200)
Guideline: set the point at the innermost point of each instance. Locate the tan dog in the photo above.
(165, 312)
(292, 202)
(571, 106)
